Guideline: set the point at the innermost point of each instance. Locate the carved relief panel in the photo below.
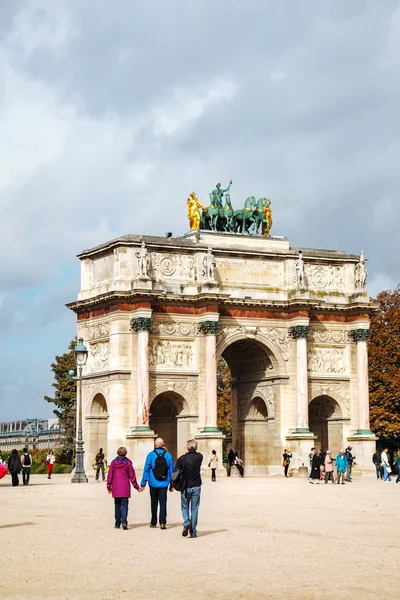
(172, 266)
(327, 360)
(166, 354)
(325, 277)
(328, 336)
(98, 358)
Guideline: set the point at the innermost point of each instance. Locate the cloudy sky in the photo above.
(112, 112)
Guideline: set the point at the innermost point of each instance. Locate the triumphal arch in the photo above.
(292, 324)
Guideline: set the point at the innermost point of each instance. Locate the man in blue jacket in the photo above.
(157, 471)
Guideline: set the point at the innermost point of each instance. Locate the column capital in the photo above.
(360, 335)
(210, 327)
(299, 331)
(141, 323)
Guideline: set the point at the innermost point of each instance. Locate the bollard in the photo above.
(303, 471)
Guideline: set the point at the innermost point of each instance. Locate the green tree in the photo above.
(65, 401)
(224, 394)
(384, 366)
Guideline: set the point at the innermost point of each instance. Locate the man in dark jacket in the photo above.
(26, 462)
(350, 458)
(376, 459)
(190, 464)
(100, 459)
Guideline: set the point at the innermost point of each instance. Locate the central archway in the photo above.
(165, 422)
(253, 369)
(326, 423)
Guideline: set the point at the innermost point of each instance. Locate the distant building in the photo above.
(35, 433)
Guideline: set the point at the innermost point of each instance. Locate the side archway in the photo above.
(97, 427)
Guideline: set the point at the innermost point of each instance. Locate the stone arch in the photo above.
(326, 422)
(96, 435)
(320, 391)
(98, 406)
(274, 353)
(169, 420)
(187, 391)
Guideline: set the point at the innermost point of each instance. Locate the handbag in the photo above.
(178, 479)
(284, 464)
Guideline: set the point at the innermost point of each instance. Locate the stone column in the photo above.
(360, 336)
(299, 333)
(210, 329)
(142, 326)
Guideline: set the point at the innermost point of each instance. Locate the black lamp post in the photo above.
(81, 354)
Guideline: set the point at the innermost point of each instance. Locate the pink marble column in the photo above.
(142, 325)
(299, 333)
(361, 336)
(210, 329)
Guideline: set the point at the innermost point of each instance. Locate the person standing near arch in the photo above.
(286, 461)
(100, 461)
(157, 471)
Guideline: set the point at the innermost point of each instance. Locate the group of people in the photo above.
(322, 466)
(158, 475)
(382, 465)
(17, 463)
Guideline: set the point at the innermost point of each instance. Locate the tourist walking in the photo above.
(286, 462)
(26, 463)
(386, 465)
(50, 460)
(239, 464)
(341, 466)
(315, 476)
(119, 477)
(397, 463)
(230, 461)
(100, 461)
(14, 467)
(157, 471)
(213, 464)
(310, 458)
(329, 476)
(190, 464)
(376, 459)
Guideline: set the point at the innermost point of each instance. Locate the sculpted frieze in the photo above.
(165, 328)
(277, 335)
(326, 336)
(163, 353)
(99, 353)
(172, 266)
(323, 277)
(98, 330)
(327, 360)
(187, 389)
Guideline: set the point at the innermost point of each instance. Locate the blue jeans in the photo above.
(386, 474)
(190, 502)
(121, 511)
(378, 471)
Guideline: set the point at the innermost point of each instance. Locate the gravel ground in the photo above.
(258, 538)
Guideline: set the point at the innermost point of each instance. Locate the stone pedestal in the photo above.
(299, 446)
(363, 447)
(139, 444)
(206, 443)
(142, 283)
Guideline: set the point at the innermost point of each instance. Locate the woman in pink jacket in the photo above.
(120, 475)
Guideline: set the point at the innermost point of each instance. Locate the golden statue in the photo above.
(268, 218)
(193, 211)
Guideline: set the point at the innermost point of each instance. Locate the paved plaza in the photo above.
(258, 538)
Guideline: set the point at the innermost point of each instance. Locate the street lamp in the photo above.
(81, 354)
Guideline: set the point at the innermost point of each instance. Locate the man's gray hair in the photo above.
(191, 445)
(159, 443)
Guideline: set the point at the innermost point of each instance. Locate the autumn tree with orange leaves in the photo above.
(384, 366)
